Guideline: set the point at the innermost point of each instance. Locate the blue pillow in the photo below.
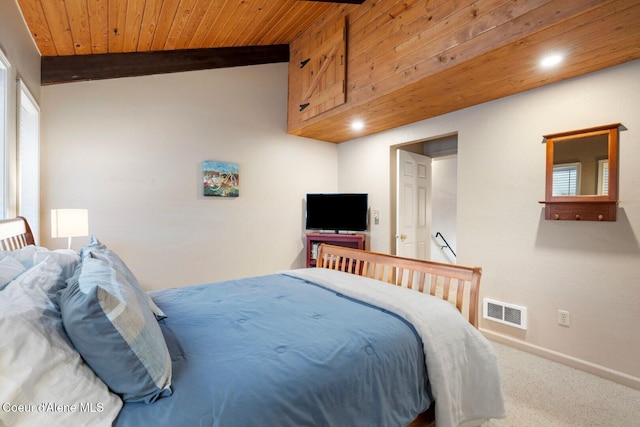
(111, 325)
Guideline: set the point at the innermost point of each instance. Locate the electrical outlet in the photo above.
(563, 318)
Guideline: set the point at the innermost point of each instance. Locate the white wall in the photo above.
(591, 269)
(444, 200)
(19, 47)
(21, 52)
(130, 151)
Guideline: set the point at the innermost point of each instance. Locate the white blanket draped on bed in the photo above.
(462, 366)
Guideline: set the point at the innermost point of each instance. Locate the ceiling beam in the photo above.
(65, 69)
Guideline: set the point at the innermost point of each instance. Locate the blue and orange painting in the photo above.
(220, 179)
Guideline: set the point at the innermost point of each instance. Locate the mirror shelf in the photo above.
(582, 174)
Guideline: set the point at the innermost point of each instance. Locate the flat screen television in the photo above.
(337, 212)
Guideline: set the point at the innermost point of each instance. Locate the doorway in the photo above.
(439, 208)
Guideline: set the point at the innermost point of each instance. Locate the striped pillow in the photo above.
(111, 325)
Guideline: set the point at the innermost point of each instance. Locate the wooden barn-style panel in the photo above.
(318, 69)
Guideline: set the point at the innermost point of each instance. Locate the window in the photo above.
(4, 68)
(603, 177)
(566, 179)
(28, 158)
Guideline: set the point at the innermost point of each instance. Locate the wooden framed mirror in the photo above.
(582, 174)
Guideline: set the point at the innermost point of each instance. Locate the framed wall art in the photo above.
(220, 179)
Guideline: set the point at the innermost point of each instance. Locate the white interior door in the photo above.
(412, 207)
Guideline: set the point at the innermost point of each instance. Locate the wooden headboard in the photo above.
(454, 283)
(15, 233)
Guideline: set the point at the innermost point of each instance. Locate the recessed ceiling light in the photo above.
(357, 125)
(551, 60)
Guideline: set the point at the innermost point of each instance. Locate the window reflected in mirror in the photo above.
(566, 179)
(577, 168)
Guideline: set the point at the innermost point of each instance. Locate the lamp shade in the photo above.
(69, 222)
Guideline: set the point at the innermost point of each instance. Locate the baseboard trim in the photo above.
(583, 365)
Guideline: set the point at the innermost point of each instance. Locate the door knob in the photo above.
(402, 237)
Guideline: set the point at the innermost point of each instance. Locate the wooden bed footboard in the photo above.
(454, 283)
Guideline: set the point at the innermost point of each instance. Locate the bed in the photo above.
(364, 339)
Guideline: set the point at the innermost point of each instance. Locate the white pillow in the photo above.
(10, 268)
(24, 255)
(65, 258)
(31, 255)
(38, 365)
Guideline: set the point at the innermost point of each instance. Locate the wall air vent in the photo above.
(509, 314)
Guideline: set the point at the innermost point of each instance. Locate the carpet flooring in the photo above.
(540, 392)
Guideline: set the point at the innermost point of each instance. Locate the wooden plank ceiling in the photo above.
(89, 27)
(481, 59)
(408, 60)
(94, 39)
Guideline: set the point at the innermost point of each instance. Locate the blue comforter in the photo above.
(280, 351)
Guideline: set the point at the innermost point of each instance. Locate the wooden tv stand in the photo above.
(315, 239)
